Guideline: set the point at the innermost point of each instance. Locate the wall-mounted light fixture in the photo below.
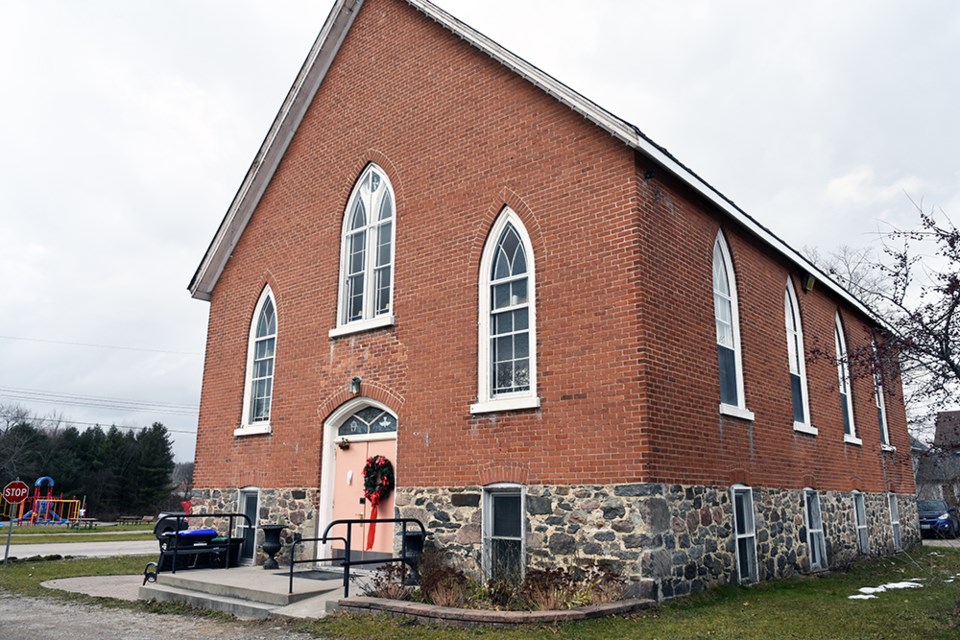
(649, 174)
(807, 281)
(355, 385)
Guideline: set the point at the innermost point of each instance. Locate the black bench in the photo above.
(182, 548)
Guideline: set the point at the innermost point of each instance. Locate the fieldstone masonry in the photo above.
(668, 540)
(293, 507)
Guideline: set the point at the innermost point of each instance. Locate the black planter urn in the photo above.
(272, 544)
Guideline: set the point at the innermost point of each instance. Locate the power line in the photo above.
(101, 402)
(93, 424)
(102, 346)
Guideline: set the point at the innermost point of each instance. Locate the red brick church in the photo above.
(569, 345)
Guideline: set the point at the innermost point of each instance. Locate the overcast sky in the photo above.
(126, 128)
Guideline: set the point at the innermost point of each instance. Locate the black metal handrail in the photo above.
(407, 556)
(181, 518)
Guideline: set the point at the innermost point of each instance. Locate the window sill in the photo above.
(358, 326)
(852, 440)
(736, 412)
(506, 404)
(252, 430)
(888, 448)
(803, 427)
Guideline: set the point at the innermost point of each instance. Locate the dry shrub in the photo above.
(441, 583)
(387, 582)
(566, 588)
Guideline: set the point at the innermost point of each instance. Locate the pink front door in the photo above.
(348, 500)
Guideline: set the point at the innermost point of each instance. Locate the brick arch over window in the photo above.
(508, 198)
(496, 471)
(369, 389)
(377, 157)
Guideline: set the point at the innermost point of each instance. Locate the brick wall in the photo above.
(625, 331)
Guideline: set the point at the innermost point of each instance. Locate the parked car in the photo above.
(938, 519)
(167, 522)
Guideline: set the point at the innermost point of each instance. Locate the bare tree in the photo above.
(913, 283)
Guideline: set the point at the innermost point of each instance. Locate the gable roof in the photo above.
(312, 74)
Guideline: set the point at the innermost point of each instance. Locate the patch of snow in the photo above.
(862, 597)
(948, 580)
(903, 585)
(911, 584)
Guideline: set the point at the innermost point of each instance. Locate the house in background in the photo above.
(937, 467)
(571, 347)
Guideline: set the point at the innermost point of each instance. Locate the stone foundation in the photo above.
(294, 507)
(667, 540)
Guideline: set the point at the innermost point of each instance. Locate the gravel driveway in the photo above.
(42, 619)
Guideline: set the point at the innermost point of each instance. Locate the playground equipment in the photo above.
(46, 509)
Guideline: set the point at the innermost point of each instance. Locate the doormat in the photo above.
(319, 574)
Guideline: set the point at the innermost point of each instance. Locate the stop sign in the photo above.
(16, 492)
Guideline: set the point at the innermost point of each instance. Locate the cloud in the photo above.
(862, 188)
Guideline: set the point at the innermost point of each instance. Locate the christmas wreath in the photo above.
(377, 487)
(377, 479)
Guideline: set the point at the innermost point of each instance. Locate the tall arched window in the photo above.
(507, 358)
(843, 377)
(727, 317)
(261, 355)
(878, 398)
(366, 255)
(795, 354)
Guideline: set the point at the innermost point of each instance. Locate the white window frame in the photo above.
(843, 378)
(749, 533)
(502, 488)
(816, 544)
(247, 426)
(860, 521)
(880, 402)
(796, 355)
(369, 319)
(721, 250)
(894, 507)
(487, 401)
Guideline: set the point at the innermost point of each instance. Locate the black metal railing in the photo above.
(411, 547)
(172, 544)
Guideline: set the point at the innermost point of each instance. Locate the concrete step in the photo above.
(234, 606)
(315, 607)
(271, 589)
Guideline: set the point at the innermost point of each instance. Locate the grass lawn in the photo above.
(806, 607)
(59, 533)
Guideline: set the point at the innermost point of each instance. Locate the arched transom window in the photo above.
(366, 264)
(507, 344)
(368, 421)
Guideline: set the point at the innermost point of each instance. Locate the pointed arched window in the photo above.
(795, 355)
(366, 255)
(507, 358)
(727, 318)
(878, 398)
(261, 356)
(843, 377)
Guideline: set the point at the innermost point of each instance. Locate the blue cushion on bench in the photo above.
(190, 533)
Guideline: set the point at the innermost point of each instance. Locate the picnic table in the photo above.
(129, 519)
(84, 523)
